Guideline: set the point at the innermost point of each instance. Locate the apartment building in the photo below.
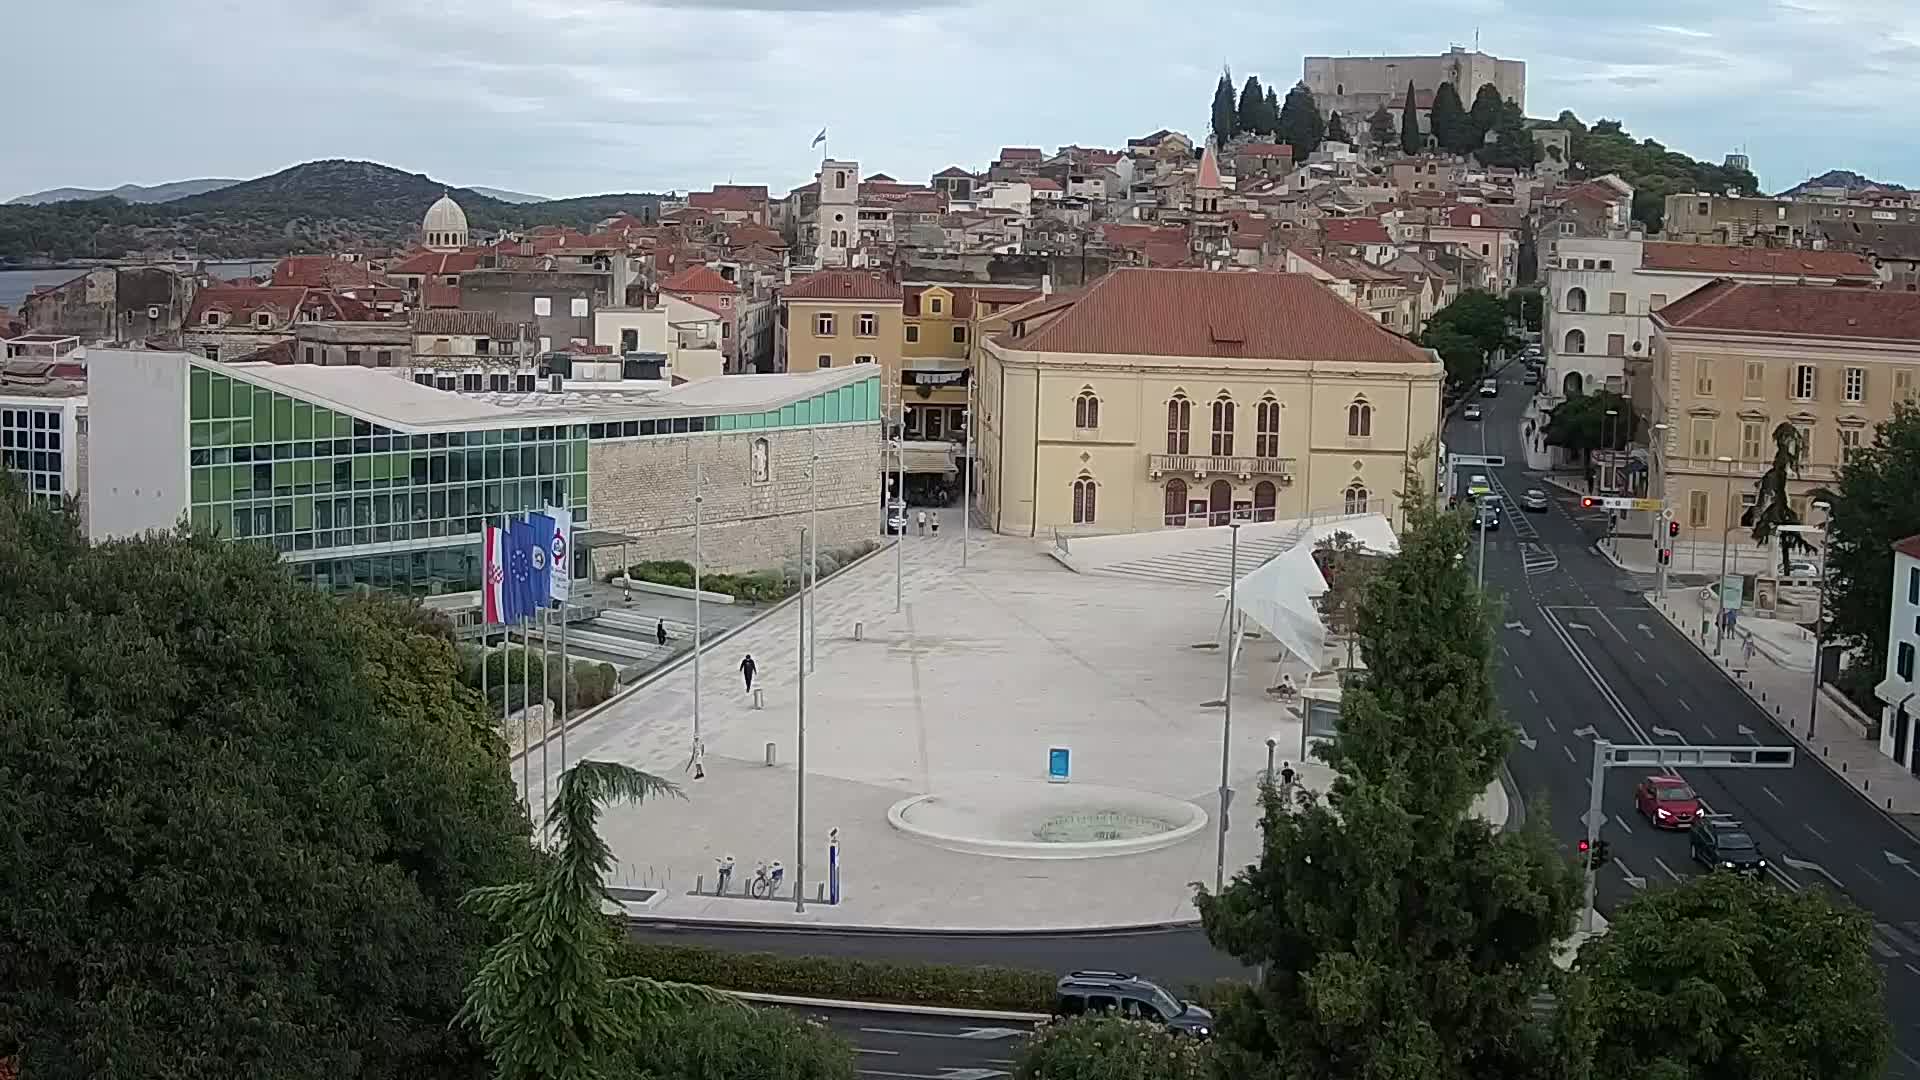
(1899, 735)
(839, 318)
(1733, 360)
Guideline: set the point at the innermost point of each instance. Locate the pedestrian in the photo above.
(747, 668)
(936, 522)
(626, 588)
(697, 762)
(726, 875)
(660, 633)
(1286, 774)
(920, 520)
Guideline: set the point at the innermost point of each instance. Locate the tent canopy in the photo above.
(1278, 596)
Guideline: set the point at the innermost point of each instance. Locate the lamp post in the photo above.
(812, 602)
(1226, 700)
(800, 769)
(1819, 611)
(699, 474)
(966, 492)
(1480, 519)
(1726, 532)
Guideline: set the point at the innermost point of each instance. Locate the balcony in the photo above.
(1202, 465)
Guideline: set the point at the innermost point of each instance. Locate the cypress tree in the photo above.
(1449, 121)
(1410, 141)
(1485, 114)
(1273, 110)
(1223, 112)
(1299, 123)
(1251, 115)
(1380, 127)
(1336, 131)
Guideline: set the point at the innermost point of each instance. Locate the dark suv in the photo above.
(1084, 992)
(1718, 842)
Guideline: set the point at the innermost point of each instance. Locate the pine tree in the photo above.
(1485, 114)
(1299, 124)
(1251, 115)
(1223, 112)
(1273, 110)
(1380, 127)
(1449, 121)
(1336, 131)
(1410, 140)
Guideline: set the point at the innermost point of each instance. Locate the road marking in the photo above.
(870, 1050)
(1683, 704)
(943, 1074)
(1527, 740)
(1633, 879)
(1665, 732)
(1911, 1060)
(1802, 864)
(1904, 864)
(1662, 678)
(1569, 752)
(1516, 668)
(971, 1034)
(1637, 656)
(1781, 876)
(1909, 967)
(1771, 795)
(1815, 832)
(1504, 652)
(1622, 822)
(1664, 868)
(1709, 732)
(1534, 696)
(1871, 876)
(1642, 627)
(1548, 720)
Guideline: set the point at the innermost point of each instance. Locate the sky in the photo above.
(573, 97)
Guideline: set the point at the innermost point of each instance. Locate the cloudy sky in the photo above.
(566, 97)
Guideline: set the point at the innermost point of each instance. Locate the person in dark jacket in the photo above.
(747, 668)
(660, 633)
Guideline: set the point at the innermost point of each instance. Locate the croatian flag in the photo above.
(494, 563)
(560, 565)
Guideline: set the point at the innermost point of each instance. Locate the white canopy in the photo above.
(1278, 596)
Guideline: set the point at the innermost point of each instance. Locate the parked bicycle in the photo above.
(766, 880)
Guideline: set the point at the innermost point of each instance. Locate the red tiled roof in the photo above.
(734, 200)
(435, 295)
(437, 262)
(323, 272)
(1264, 150)
(699, 279)
(747, 233)
(1140, 312)
(240, 302)
(1786, 262)
(1163, 245)
(1041, 183)
(1464, 215)
(1796, 311)
(1363, 230)
(1020, 153)
(842, 285)
(1209, 178)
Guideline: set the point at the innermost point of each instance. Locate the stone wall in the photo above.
(644, 487)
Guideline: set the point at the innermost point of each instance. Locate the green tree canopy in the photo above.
(1772, 505)
(243, 813)
(1526, 307)
(1449, 121)
(1300, 125)
(1654, 171)
(1484, 116)
(1273, 108)
(1872, 505)
(1411, 140)
(1251, 115)
(1336, 131)
(1380, 127)
(724, 1041)
(1111, 1048)
(1224, 113)
(1513, 146)
(1580, 424)
(1726, 977)
(1464, 359)
(1480, 315)
(1401, 936)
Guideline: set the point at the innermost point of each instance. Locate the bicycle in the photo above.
(766, 880)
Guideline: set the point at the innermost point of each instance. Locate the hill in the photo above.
(510, 196)
(1845, 179)
(315, 207)
(131, 193)
(1654, 171)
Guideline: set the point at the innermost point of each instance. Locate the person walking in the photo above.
(626, 588)
(935, 519)
(747, 668)
(660, 633)
(920, 520)
(697, 762)
(1286, 775)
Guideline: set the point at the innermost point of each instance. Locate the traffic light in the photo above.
(1596, 856)
(1588, 502)
(1666, 556)
(1673, 528)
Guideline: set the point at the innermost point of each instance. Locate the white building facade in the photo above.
(1900, 705)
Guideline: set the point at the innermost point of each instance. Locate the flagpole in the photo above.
(564, 662)
(545, 727)
(697, 495)
(506, 645)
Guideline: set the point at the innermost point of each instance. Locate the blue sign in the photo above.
(1057, 763)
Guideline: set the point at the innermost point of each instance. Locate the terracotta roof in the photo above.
(1909, 547)
(435, 295)
(1463, 216)
(1786, 262)
(280, 352)
(842, 285)
(1207, 313)
(1163, 245)
(437, 262)
(1264, 150)
(747, 233)
(1020, 153)
(240, 302)
(323, 272)
(1209, 177)
(1355, 231)
(733, 199)
(475, 323)
(1041, 183)
(701, 279)
(966, 296)
(1796, 311)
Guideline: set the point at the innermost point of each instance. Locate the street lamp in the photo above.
(1726, 532)
(1226, 699)
(800, 763)
(1606, 437)
(1819, 610)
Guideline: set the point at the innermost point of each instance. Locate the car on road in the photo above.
(1535, 501)
(1532, 377)
(1667, 802)
(1719, 842)
(1471, 412)
(1490, 388)
(1477, 486)
(1487, 515)
(1803, 569)
(1081, 992)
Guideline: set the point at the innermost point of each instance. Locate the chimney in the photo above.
(1046, 285)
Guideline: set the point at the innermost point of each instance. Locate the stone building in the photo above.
(1354, 86)
(134, 305)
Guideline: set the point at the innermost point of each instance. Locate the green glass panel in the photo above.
(262, 415)
(220, 390)
(241, 431)
(199, 394)
(302, 471)
(579, 455)
(222, 476)
(202, 485)
(789, 415)
(282, 474)
(363, 467)
(302, 420)
(342, 425)
(220, 433)
(242, 481)
(200, 434)
(382, 467)
(282, 418)
(322, 423)
(303, 513)
(202, 517)
(836, 406)
(873, 400)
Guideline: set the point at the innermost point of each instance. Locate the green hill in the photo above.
(317, 206)
(1654, 171)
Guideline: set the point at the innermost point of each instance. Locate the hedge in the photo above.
(846, 978)
(759, 587)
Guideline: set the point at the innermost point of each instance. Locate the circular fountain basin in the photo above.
(1035, 820)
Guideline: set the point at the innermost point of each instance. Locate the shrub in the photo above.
(950, 985)
(590, 683)
(727, 1042)
(1097, 1048)
(755, 587)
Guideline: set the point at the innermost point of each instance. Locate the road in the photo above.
(1582, 656)
(893, 1046)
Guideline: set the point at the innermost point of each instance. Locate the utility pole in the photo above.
(1226, 700)
(966, 491)
(812, 603)
(698, 496)
(800, 769)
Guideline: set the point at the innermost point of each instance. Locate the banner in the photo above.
(520, 545)
(540, 552)
(493, 576)
(561, 550)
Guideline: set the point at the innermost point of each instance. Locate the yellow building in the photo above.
(1731, 361)
(1170, 398)
(838, 318)
(939, 328)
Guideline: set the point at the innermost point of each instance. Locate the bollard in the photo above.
(769, 755)
(699, 884)
(759, 698)
(1843, 765)
(1867, 784)
(820, 896)
(859, 631)
(1763, 695)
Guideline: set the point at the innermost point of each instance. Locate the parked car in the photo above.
(1801, 569)
(1535, 501)
(1532, 376)
(1719, 842)
(1471, 412)
(1667, 802)
(1082, 992)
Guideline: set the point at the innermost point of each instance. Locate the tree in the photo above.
(545, 1002)
(1112, 1048)
(1725, 976)
(1380, 128)
(1273, 108)
(243, 812)
(1251, 116)
(1513, 146)
(1485, 114)
(1410, 140)
(1526, 307)
(1479, 315)
(1336, 131)
(1771, 506)
(729, 1042)
(1654, 171)
(1448, 121)
(1346, 564)
(1465, 361)
(1223, 109)
(1871, 506)
(1299, 123)
(1400, 935)
(1580, 424)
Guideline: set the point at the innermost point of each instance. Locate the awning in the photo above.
(1894, 691)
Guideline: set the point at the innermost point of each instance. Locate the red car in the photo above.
(1667, 802)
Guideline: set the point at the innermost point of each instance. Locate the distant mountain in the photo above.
(509, 196)
(132, 193)
(316, 207)
(1839, 178)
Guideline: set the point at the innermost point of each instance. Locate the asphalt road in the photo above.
(894, 1046)
(1583, 657)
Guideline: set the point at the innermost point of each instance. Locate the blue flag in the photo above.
(520, 545)
(541, 527)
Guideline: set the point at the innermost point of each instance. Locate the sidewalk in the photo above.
(1691, 559)
(1778, 678)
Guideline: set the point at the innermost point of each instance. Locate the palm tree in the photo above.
(544, 1002)
(1771, 508)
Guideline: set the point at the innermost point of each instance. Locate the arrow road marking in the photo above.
(1527, 740)
(1665, 733)
(1645, 629)
(970, 1033)
(1802, 864)
(1585, 732)
(1746, 733)
(1632, 879)
(1579, 626)
(1525, 630)
(1665, 869)
(1904, 864)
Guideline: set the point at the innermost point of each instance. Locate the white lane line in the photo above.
(1662, 678)
(1683, 704)
(1504, 652)
(870, 1050)
(1622, 822)
(1569, 752)
(1814, 831)
(1516, 668)
(1910, 967)
(1534, 696)
(1664, 868)
(1548, 720)
(1709, 732)
(1771, 795)
(1871, 876)
(1637, 656)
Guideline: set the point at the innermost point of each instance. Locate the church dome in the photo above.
(445, 225)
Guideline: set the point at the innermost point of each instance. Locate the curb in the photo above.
(1516, 807)
(672, 922)
(885, 1007)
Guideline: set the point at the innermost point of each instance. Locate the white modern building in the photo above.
(1899, 731)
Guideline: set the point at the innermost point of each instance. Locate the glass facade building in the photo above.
(32, 448)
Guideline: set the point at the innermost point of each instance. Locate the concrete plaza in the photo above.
(966, 688)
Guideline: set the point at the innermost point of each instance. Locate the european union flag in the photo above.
(541, 579)
(520, 545)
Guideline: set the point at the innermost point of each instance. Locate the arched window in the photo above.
(1265, 496)
(1086, 410)
(1084, 490)
(1219, 503)
(1176, 501)
(1576, 299)
(1179, 423)
(1357, 498)
(1223, 411)
(1266, 428)
(1360, 419)
(1576, 341)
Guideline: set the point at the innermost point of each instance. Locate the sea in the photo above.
(16, 284)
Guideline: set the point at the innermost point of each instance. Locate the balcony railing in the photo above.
(1219, 465)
